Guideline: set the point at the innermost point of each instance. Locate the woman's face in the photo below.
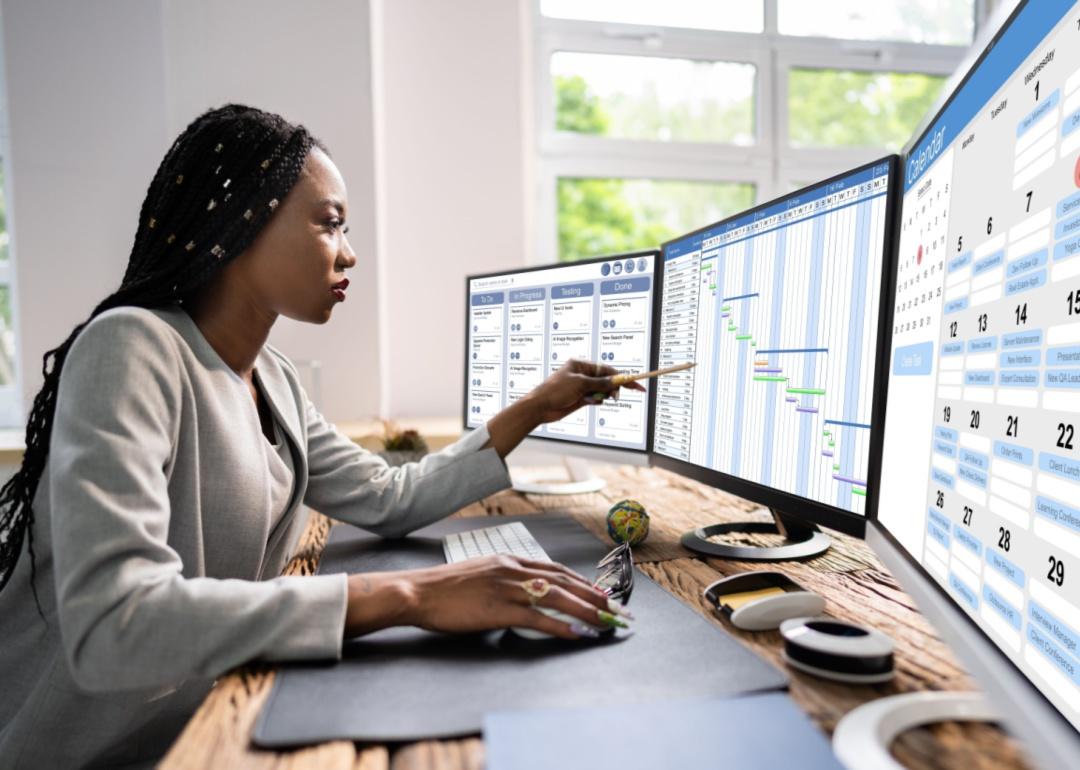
(297, 263)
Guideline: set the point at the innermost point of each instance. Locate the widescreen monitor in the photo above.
(525, 324)
(979, 476)
(779, 307)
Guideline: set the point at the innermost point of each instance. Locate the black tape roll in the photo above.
(844, 664)
(826, 646)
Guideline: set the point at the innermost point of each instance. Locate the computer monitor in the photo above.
(525, 324)
(979, 471)
(780, 307)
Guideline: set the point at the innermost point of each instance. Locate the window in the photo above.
(654, 99)
(654, 119)
(847, 108)
(741, 16)
(608, 216)
(947, 22)
(11, 414)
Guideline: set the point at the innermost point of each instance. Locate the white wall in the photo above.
(87, 124)
(97, 91)
(309, 61)
(450, 138)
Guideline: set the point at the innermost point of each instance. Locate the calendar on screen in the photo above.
(983, 401)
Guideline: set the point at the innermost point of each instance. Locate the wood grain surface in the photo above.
(856, 585)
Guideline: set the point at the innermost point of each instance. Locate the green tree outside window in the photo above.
(606, 216)
(827, 108)
(830, 108)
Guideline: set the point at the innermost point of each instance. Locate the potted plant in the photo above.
(401, 446)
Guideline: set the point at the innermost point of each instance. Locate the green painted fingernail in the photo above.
(610, 619)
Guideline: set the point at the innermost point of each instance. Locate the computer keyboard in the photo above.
(514, 539)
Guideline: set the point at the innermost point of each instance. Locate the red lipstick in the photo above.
(338, 289)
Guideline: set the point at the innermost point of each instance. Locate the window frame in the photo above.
(770, 164)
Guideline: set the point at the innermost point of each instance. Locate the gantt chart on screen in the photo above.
(779, 308)
(525, 325)
(984, 393)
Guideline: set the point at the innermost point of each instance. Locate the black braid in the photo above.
(215, 189)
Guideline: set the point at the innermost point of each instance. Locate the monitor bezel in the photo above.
(793, 505)
(658, 267)
(988, 39)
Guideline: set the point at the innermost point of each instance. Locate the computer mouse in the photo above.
(532, 633)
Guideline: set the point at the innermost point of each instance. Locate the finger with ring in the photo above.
(536, 588)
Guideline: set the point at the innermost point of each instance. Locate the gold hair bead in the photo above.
(217, 170)
(190, 246)
(273, 204)
(151, 223)
(210, 206)
(265, 164)
(227, 183)
(217, 251)
(218, 148)
(171, 238)
(179, 178)
(248, 214)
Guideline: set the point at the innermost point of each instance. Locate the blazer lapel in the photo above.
(284, 402)
(282, 398)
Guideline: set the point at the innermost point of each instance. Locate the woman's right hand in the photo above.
(475, 595)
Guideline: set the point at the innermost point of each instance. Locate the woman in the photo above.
(170, 449)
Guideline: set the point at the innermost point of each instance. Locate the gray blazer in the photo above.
(157, 565)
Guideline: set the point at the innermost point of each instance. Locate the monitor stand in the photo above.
(804, 540)
(862, 738)
(582, 481)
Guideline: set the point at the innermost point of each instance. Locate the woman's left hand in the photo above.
(574, 385)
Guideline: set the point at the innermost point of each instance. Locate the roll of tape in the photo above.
(835, 649)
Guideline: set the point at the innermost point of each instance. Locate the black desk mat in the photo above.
(406, 684)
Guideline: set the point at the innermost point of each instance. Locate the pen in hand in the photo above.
(619, 380)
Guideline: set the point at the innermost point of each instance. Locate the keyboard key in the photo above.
(513, 539)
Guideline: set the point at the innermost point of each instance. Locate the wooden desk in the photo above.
(851, 578)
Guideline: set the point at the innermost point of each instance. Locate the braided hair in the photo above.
(217, 186)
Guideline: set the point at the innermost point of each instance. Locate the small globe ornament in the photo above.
(628, 522)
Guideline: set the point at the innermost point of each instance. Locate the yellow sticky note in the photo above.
(738, 600)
